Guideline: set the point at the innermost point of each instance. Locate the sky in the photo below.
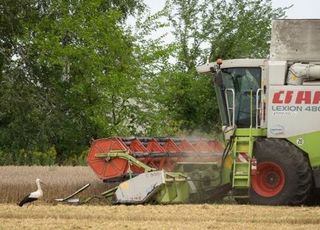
(300, 8)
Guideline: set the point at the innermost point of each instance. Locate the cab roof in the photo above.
(232, 63)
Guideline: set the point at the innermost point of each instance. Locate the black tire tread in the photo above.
(297, 167)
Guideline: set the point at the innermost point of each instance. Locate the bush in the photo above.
(48, 157)
(77, 159)
(27, 157)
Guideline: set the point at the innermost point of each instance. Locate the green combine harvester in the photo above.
(270, 112)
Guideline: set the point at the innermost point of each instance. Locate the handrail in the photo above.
(232, 108)
(258, 108)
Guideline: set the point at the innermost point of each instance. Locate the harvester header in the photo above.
(157, 153)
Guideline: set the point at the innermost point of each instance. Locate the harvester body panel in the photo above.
(140, 188)
(293, 110)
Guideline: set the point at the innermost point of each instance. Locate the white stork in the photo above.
(33, 196)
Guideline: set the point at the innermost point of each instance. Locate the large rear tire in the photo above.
(283, 176)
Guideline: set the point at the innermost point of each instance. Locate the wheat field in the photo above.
(17, 181)
(61, 181)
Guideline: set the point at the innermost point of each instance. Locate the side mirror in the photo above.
(217, 79)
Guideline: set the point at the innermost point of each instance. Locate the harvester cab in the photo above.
(236, 83)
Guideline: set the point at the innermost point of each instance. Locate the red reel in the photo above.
(107, 168)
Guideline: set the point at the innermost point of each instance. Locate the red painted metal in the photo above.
(187, 147)
(161, 153)
(107, 169)
(202, 146)
(136, 146)
(171, 147)
(216, 146)
(269, 180)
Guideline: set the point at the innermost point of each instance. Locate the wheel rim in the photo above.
(269, 179)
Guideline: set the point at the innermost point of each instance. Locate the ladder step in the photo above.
(240, 169)
(241, 177)
(242, 196)
(244, 139)
(240, 186)
(242, 163)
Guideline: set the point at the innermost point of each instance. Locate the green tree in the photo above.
(69, 76)
(207, 30)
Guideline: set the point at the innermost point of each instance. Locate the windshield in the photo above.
(242, 81)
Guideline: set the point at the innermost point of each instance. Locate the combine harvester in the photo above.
(270, 111)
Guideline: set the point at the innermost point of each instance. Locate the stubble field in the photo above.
(158, 217)
(61, 181)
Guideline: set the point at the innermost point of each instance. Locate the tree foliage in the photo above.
(69, 75)
(72, 70)
(207, 30)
